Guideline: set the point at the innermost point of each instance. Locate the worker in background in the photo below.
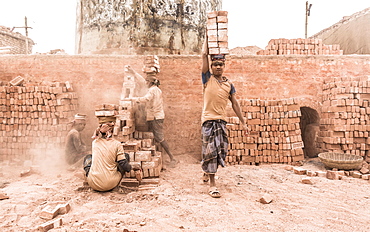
(154, 111)
(75, 148)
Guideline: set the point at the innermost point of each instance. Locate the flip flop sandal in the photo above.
(213, 192)
(205, 177)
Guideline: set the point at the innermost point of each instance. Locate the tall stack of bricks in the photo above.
(217, 25)
(151, 64)
(34, 118)
(139, 145)
(275, 133)
(128, 86)
(345, 122)
(300, 47)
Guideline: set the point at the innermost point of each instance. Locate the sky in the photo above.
(251, 22)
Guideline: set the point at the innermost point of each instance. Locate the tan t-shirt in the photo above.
(104, 174)
(216, 96)
(154, 103)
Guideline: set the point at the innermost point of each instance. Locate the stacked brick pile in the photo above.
(34, 118)
(300, 47)
(217, 25)
(128, 86)
(139, 145)
(345, 122)
(151, 64)
(142, 150)
(275, 133)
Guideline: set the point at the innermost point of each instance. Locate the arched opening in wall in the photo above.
(309, 123)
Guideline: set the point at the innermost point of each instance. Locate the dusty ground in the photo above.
(181, 203)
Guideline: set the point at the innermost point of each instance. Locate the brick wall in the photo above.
(98, 79)
(15, 40)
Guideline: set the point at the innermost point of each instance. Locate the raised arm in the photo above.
(205, 65)
(138, 77)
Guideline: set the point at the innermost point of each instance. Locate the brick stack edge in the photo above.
(217, 33)
(345, 122)
(300, 47)
(275, 133)
(34, 118)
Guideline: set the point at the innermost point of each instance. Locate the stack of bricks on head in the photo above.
(151, 64)
(138, 144)
(217, 24)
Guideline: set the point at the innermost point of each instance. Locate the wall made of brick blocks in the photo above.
(98, 79)
(17, 44)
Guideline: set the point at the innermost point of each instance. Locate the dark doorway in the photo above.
(310, 122)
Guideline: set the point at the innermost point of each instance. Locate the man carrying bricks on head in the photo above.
(75, 148)
(217, 91)
(108, 162)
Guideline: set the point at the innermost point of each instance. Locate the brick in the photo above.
(299, 171)
(3, 196)
(25, 173)
(266, 199)
(143, 156)
(50, 224)
(150, 164)
(311, 173)
(64, 208)
(17, 81)
(332, 175)
(307, 180)
(356, 174)
(49, 212)
(128, 182)
(364, 170)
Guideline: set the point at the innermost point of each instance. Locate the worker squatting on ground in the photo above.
(75, 148)
(154, 111)
(217, 91)
(108, 163)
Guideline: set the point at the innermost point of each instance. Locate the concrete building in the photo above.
(158, 27)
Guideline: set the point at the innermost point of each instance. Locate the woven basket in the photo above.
(340, 160)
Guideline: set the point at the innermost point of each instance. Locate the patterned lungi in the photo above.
(214, 145)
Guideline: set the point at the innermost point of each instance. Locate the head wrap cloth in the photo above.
(104, 130)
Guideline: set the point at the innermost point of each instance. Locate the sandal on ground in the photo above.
(205, 177)
(213, 192)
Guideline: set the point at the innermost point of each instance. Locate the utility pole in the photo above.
(26, 28)
(308, 10)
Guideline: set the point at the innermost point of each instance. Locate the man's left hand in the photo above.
(246, 129)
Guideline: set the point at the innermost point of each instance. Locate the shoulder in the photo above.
(73, 132)
(115, 142)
